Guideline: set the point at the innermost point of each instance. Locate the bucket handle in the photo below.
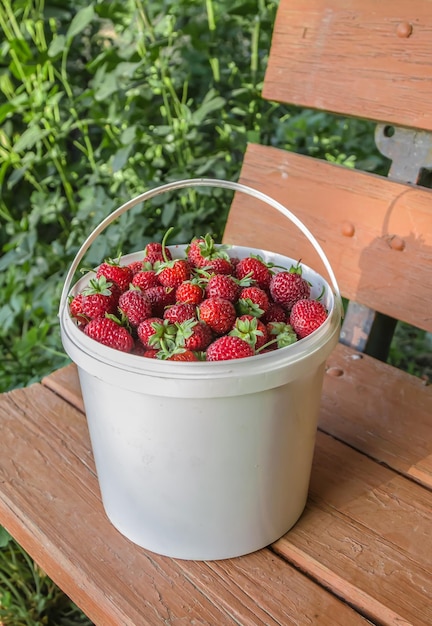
(197, 182)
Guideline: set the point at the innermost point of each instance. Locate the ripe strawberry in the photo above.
(251, 330)
(108, 332)
(275, 313)
(228, 347)
(288, 287)
(154, 332)
(76, 309)
(112, 270)
(190, 291)
(135, 267)
(255, 268)
(99, 297)
(160, 297)
(178, 313)
(174, 273)
(202, 251)
(218, 313)
(135, 306)
(306, 316)
(182, 355)
(219, 266)
(144, 279)
(253, 301)
(223, 286)
(154, 251)
(194, 335)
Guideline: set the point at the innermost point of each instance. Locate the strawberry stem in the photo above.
(164, 240)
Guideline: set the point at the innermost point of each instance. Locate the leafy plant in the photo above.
(27, 596)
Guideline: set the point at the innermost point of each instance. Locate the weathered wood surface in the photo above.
(50, 502)
(377, 234)
(365, 59)
(381, 411)
(365, 535)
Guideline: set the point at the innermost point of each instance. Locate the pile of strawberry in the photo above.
(206, 306)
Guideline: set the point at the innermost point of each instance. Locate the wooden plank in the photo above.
(65, 382)
(376, 233)
(379, 410)
(352, 58)
(50, 502)
(366, 534)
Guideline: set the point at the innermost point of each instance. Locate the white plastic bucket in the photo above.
(205, 460)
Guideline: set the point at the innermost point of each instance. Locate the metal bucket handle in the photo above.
(198, 182)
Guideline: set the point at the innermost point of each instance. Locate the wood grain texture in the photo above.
(50, 502)
(65, 383)
(366, 534)
(350, 57)
(333, 200)
(379, 410)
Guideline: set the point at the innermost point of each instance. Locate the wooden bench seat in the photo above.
(361, 551)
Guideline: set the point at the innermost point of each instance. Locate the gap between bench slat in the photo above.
(379, 410)
(374, 541)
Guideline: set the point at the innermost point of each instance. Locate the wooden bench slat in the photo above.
(348, 58)
(369, 405)
(369, 270)
(51, 504)
(365, 534)
(65, 383)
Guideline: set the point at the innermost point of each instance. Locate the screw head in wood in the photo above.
(404, 30)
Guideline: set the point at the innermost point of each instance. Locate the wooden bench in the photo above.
(362, 550)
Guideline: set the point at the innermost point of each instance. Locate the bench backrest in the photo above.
(371, 60)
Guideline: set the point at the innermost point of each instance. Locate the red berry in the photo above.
(184, 355)
(218, 313)
(135, 267)
(228, 347)
(253, 301)
(223, 286)
(275, 313)
(306, 316)
(145, 279)
(112, 270)
(160, 297)
(197, 336)
(256, 269)
(99, 297)
(154, 251)
(190, 292)
(174, 273)
(203, 252)
(106, 331)
(135, 306)
(76, 309)
(157, 333)
(288, 287)
(219, 266)
(251, 330)
(178, 313)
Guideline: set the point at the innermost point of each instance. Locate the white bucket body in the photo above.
(205, 460)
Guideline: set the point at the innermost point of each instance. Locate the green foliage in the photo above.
(103, 100)
(27, 596)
